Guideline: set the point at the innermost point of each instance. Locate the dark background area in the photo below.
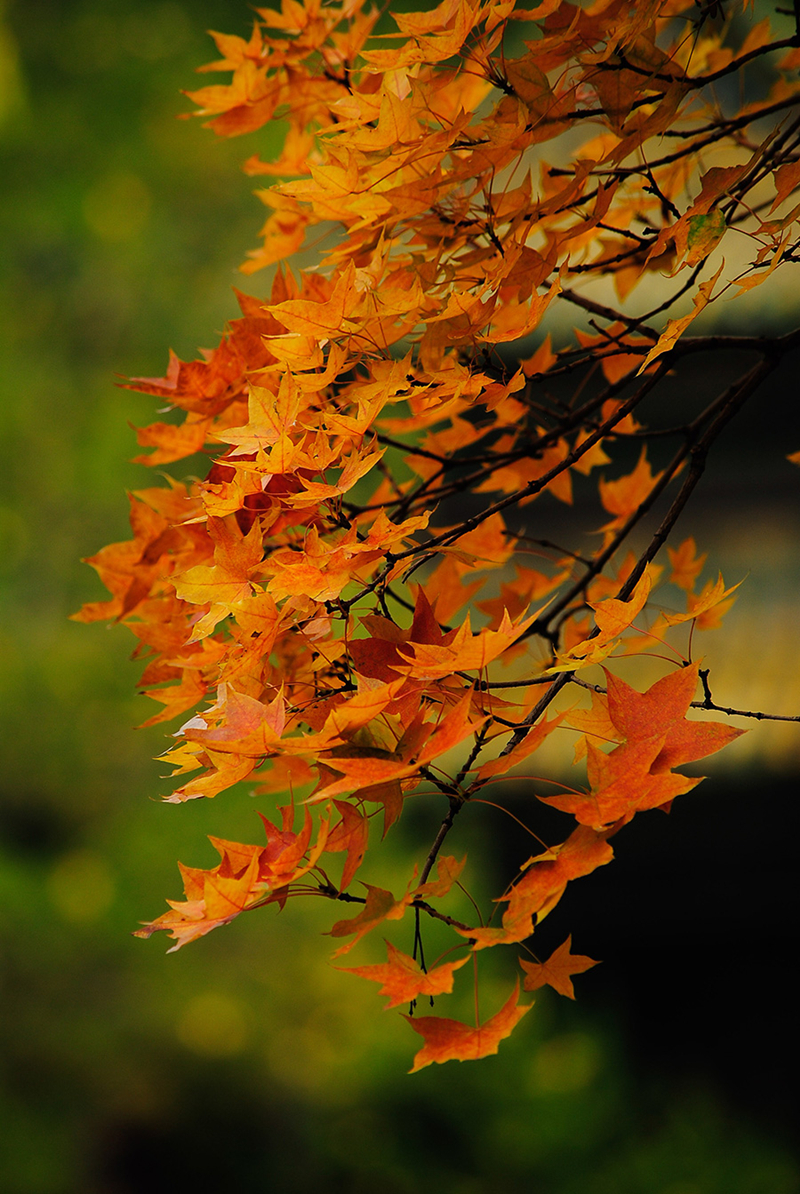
(247, 1062)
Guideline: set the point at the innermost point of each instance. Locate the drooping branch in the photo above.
(377, 415)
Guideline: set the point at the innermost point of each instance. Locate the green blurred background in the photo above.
(247, 1062)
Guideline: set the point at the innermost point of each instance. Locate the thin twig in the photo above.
(709, 703)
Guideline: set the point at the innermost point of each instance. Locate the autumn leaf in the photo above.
(448, 870)
(466, 652)
(172, 442)
(676, 327)
(450, 1040)
(648, 714)
(530, 743)
(380, 905)
(352, 835)
(246, 876)
(704, 234)
(623, 782)
(787, 178)
(422, 742)
(319, 318)
(625, 495)
(612, 617)
(663, 708)
(403, 979)
(542, 360)
(707, 606)
(686, 564)
(557, 971)
(637, 775)
(249, 727)
(542, 885)
(219, 900)
(592, 723)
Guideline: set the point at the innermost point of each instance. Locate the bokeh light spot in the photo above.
(566, 1063)
(213, 1024)
(117, 206)
(80, 886)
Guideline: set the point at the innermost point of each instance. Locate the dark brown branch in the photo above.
(410, 449)
(709, 703)
(607, 313)
(734, 399)
(700, 81)
(448, 920)
(766, 345)
(447, 824)
(716, 131)
(540, 483)
(477, 747)
(603, 558)
(738, 395)
(536, 712)
(706, 703)
(426, 491)
(331, 893)
(490, 685)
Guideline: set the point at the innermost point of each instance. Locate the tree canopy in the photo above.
(506, 222)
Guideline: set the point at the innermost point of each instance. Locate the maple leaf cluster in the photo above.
(377, 438)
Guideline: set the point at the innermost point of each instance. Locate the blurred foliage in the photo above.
(245, 1063)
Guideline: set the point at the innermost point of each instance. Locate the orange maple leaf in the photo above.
(352, 835)
(450, 1040)
(404, 979)
(707, 606)
(381, 905)
(448, 869)
(663, 709)
(530, 743)
(320, 319)
(686, 564)
(465, 651)
(542, 886)
(612, 617)
(625, 495)
(246, 876)
(556, 972)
